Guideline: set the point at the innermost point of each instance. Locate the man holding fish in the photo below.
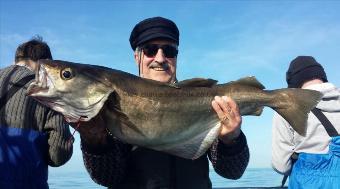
(130, 124)
(115, 164)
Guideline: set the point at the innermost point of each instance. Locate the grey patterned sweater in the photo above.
(110, 165)
(22, 115)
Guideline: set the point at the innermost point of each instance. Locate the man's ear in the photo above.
(136, 56)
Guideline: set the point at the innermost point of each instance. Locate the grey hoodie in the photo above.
(285, 141)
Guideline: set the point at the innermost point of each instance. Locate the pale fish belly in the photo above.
(196, 145)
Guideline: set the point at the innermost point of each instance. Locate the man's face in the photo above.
(158, 61)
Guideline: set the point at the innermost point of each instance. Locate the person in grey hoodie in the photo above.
(317, 148)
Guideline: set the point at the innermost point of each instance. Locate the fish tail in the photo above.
(294, 105)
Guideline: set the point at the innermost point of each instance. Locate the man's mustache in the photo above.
(164, 66)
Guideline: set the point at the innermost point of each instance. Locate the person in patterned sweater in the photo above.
(32, 136)
(115, 164)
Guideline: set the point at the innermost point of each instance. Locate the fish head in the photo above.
(78, 91)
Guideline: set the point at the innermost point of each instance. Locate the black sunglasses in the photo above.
(150, 50)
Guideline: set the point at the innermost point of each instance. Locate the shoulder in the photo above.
(14, 73)
(23, 71)
(278, 119)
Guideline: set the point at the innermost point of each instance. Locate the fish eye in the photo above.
(66, 74)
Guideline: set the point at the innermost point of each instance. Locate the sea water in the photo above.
(253, 177)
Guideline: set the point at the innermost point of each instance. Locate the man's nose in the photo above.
(160, 57)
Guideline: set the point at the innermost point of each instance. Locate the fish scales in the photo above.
(176, 119)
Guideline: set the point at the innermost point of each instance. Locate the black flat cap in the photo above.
(302, 69)
(153, 28)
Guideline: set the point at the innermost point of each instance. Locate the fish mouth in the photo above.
(41, 83)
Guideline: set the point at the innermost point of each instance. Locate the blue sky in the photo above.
(223, 40)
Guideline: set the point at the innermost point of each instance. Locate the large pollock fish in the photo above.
(177, 119)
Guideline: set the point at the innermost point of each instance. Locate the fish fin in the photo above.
(258, 111)
(124, 120)
(250, 81)
(113, 106)
(197, 82)
(174, 85)
(294, 105)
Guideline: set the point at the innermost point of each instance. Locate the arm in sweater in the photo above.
(60, 140)
(282, 145)
(230, 161)
(106, 164)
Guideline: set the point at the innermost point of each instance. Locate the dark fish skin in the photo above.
(176, 119)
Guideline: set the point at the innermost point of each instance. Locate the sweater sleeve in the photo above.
(106, 164)
(230, 161)
(282, 145)
(60, 140)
